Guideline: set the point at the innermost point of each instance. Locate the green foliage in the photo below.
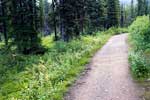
(143, 7)
(20, 23)
(71, 14)
(139, 66)
(113, 13)
(46, 77)
(116, 31)
(24, 26)
(140, 33)
(96, 15)
(140, 46)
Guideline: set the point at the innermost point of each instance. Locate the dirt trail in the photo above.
(108, 76)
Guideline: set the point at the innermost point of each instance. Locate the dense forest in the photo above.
(45, 45)
(66, 19)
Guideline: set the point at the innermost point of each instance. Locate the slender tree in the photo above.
(122, 16)
(102, 13)
(54, 18)
(132, 10)
(46, 7)
(61, 17)
(146, 7)
(41, 7)
(4, 20)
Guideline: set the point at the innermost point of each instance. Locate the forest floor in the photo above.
(107, 77)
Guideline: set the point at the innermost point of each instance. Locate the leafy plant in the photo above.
(140, 45)
(139, 66)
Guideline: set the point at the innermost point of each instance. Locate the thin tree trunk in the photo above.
(62, 25)
(54, 19)
(4, 22)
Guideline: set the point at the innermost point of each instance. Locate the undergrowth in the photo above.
(139, 40)
(48, 76)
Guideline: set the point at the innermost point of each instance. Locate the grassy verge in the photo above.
(140, 52)
(140, 47)
(48, 76)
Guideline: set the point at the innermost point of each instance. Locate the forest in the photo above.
(46, 45)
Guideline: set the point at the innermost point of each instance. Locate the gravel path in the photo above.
(107, 76)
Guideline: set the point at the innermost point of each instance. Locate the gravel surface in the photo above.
(107, 76)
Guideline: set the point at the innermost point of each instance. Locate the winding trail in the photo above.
(107, 76)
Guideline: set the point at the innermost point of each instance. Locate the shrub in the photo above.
(140, 45)
(116, 31)
(140, 30)
(138, 64)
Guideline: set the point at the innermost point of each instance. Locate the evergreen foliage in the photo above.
(143, 7)
(122, 19)
(113, 13)
(22, 20)
(41, 8)
(25, 25)
(132, 11)
(71, 17)
(95, 14)
(3, 19)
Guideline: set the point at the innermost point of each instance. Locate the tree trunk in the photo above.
(54, 19)
(4, 21)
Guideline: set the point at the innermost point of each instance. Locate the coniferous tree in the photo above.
(52, 17)
(79, 17)
(61, 16)
(105, 14)
(25, 25)
(96, 15)
(71, 18)
(142, 7)
(132, 11)
(74, 15)
(92, 9)
(54, 7)
(140, 11)
(122, 16)
(46, 7)
(102, 15)
(146, 7)
(41, 7)
(83, 16)
(3, 20)
(113, 13)
(47, 27)
(67, 16)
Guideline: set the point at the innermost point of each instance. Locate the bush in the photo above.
(140, 30)
(140, 46)
(139, 67)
